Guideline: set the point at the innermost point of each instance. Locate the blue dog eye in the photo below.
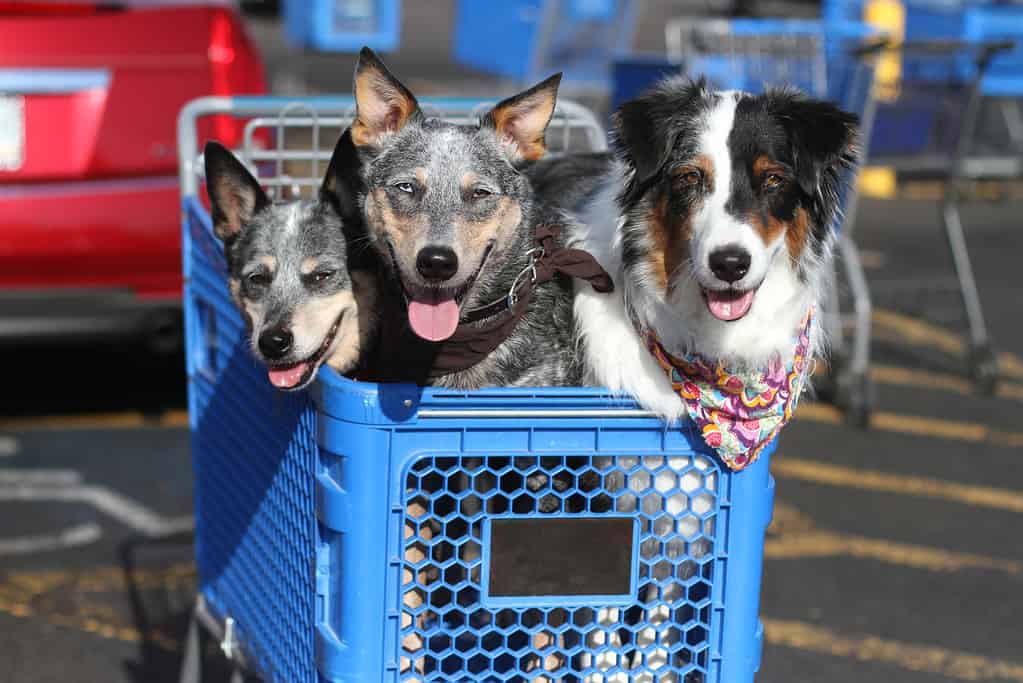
(406, 187)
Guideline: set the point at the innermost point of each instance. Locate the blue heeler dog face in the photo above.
(290, 273)
(444, 202)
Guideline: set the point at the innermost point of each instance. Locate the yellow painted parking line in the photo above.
(917, 332)
(788, 519)
(916, 425)
(819, 412)
(923, 379)
(1010, 364)
(921, 487)
(121, 420)
(794, 535)
(831, 544)
(964, 666)
(43, 597)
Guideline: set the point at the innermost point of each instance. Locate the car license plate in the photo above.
(12, 132)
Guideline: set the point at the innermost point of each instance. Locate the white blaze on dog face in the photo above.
(730, 256)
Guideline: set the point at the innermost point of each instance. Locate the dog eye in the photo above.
(773, 181)
(690, 178)
(259, 278)
(480, 193)
(407, 188)
(323, 275)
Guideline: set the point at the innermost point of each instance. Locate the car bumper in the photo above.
(49, 316)
(121, 234)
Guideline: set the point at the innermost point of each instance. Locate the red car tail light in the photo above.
(234, 70)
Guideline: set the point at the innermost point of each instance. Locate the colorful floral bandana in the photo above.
(738, 413)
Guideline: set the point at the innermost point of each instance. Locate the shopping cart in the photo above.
(937, 100)
(375, 533)
(343, 25)
(833, 60)
(526, 40)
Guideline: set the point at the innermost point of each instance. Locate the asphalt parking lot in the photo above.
(895, 553)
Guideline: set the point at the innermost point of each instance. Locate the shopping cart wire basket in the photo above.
(364, 532)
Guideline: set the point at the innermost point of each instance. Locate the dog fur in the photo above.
(431, 185)
(292, 271)
(697, 172)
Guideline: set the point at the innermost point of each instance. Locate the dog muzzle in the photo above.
(738, 413)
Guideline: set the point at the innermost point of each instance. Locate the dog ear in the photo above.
(520, 121)
(382, 104)
(646, 129)
(342, 183)
(235, 196)
(823, 140)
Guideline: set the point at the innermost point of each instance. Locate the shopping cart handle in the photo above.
(984, 48)
(996, 46)
(872, 46)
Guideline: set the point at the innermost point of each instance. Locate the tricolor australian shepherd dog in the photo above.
(716, 222)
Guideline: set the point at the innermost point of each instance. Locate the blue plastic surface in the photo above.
(343, 25)
(528, 40)
(1004, 76)
(633, 73)
(342, 529)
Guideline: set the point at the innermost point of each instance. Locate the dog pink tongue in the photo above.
(287, 378)
(433, 318)
(729, 305)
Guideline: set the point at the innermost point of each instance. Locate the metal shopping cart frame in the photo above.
(572, 124)
(958, 66)
(745, 54)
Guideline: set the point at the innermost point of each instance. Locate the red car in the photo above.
(89, 203)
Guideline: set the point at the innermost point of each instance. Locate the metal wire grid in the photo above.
(287, 144)
(714, 48)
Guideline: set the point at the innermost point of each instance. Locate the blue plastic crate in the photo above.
(343, 25)
(349, 532)
(528, 40)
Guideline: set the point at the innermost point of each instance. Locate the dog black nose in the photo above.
(730, 263)
(275, 343)
(437, 263)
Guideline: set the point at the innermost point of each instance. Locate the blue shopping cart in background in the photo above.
(375, 533)
(929, 126)
(951, 110)
(528, 40)
(343, 25)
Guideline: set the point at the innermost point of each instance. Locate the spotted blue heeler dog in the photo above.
(306, 294)
(453, 218)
